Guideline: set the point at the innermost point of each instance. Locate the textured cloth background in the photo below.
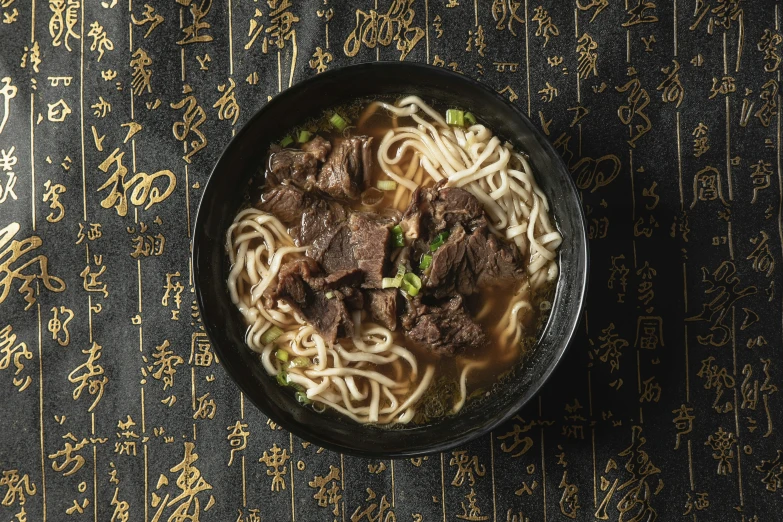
(114, 407)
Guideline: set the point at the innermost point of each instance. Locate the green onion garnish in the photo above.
(426, 261)
(285, 142)
(299, 362)
(304, 136)
(338, 122)
(271, 335)
(411, 284)
(455, 117)
(302, 398)
(398, 237)
(390, 282)
(282, 355)
(439, 240)
(387, 184)
(470, 119)
(282, 378)
(330, 295)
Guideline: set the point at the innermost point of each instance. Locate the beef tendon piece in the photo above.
(444, 328)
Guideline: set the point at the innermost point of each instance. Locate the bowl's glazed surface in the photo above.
(244, 158)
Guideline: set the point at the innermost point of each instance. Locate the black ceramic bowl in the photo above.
(244, 158)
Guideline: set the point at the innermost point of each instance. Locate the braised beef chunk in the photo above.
(286, 202)
(347, 169)
(318, 147)
(293, 166)
(445, 328)
(472, 257)
(369, 239)
(297, 285)
(332, 249)
(321, 217)
(382, 307)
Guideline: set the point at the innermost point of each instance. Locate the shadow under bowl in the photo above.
(244, 158)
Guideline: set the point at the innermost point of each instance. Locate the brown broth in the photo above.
(501, 359)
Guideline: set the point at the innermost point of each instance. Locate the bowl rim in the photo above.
(581, 283)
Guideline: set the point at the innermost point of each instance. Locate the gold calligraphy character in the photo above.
(768, 44)
(56, 325)
(200, 350)
(331, 496)
(569, 501)
(192, 119)
(100, 40)
(546, 28)
(237, 439)
(773, 469)
(467, 468)
(9, 352)
(170, 286)
(320, 60)
(89, 375)
(437, 23)
(652, 391)
(58, 111)
(723, 86)
(149, 17)
(198, 11)
(760, 176)
(618, 270)
(144, 191)
(227, 106)
(649, 332)
(190, 483)
(717, 379)
(33, 54)
(471, 512)
(722, 444)
(70, 457)
(7, 160)
(612, 345)
(255, 30)
(92, 234)
(769, 94)
(102, 107)
(722, 15)
(476, 39)
(12, 251)
(396, 25)
(502, 9)
(516, 433)
(588, 58)
(275, 459)
(281, 28)
(375, 511)
(146, 246)
(700, 140)
(8, 92)
(52, 195)
(17, 487)
(548, 93)
(65, 15)
(638, 14)
(90, 279)
(121, 508)
(141, 76)
(683, 423)
(763, 261)
(600, 5)
(205, 407)
(638, 100)
(671, 86)
(165, 365)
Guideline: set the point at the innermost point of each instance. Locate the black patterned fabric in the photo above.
(668, 403)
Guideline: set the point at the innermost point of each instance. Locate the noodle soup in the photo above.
(396, 261)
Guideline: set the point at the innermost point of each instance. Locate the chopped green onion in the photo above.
(285, 142)
(439, 240)
(400, 271)
(297, 387)
(398, 237)
(304, 136)
(391, 282)
(470, 119)
(282, 378)
(302, 398)
(282, 355)
(319, 407)
(271, 335)
(338, 122)
(411, 284)
(455, 117)
(426, 261)
(299, 362)
(330, 295)
(387, 184)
